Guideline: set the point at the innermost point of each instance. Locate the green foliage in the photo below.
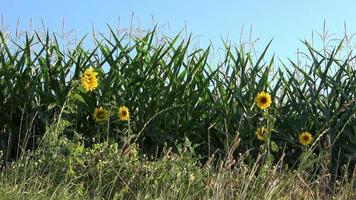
(173, 94)
(106, 170)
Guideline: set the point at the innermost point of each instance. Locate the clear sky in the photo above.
(287, 21)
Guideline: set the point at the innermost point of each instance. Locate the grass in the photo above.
(188, 130)
(112, 171)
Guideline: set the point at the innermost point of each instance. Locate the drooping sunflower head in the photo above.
(263, 100)
(306, 138)
(89, 80)
(261, 134)
(100, 115)
(124, 114)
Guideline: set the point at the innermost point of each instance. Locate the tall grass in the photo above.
(68, 170)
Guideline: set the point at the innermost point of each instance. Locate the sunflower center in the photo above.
(100, 115)
(306, 138)
(263, 100)
(124, 113)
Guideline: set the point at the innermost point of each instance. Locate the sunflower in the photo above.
(261, 134)
(305, 138)
(263, 100)
(89, 80)
(124, 114)
(100, 115)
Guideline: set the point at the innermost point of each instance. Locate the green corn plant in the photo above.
(174, 93)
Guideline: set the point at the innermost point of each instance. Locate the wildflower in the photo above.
(191, 177)
(124, 114)
(263, 100)
(89, 80)
(305, 138)
(100, 115)
(261, 134)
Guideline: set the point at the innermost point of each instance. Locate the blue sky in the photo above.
(287, 21)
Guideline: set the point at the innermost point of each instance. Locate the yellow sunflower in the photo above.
(306, 138)
(261, 134)
(263, 100)
(124, 114)
(89, 80)
(100, 115)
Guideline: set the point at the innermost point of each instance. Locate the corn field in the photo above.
(165, 93)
